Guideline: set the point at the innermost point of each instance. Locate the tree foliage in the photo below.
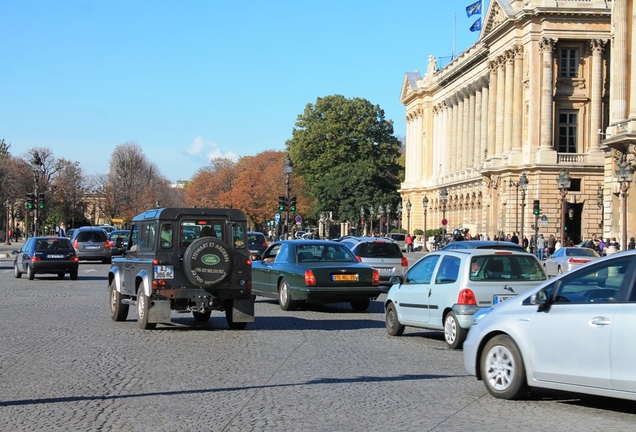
(346, 152)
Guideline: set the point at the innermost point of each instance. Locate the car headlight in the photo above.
(480, 314)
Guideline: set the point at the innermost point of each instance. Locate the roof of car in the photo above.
(369, 239)
(172, 213)
(472, 244)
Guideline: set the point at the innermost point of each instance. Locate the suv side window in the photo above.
(147, 237)
(166, 235)
(238, 234)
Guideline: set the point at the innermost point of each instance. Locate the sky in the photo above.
(191, 80)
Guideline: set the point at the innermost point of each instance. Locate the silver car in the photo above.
(567, 258)
(92, 243)
(382, 254)
(444, 289)
(573, 333)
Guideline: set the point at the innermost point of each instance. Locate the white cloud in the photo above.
(202, 151)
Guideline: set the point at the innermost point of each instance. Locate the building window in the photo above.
(568, 122)
(569, 67)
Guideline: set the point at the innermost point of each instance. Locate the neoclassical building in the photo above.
(544, 92)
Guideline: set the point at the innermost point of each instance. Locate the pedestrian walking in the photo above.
(540, 247)
(632, 243)
(61, 230)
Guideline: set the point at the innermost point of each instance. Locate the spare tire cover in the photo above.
(208, 261)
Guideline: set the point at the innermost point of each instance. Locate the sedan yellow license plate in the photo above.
(344, 277)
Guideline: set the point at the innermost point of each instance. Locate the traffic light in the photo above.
(41, 201)
(30, 202)
(282, 202)
(292, 203)
(536, 207)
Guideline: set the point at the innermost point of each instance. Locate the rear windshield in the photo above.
(57, 243)
(506, 267)
(91, 236)
(378, 250)
(397, 237)
(255, 238)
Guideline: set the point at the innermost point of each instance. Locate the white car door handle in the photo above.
(600, 321)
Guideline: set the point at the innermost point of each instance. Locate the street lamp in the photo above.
(523, 184)
(600, 204)
(361, 220)
(516, 185)
(371, 212)
(7, 241)
(563, 181)
(380, 214)
(408, 217)
(425, 204)
(287, 169)
(399, 216)
(37, 167)
(443, 196)
(624, 175)
(388, 219)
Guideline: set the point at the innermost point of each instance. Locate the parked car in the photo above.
(69, 232)
(567, 258)
(256, 242)
(91, 243)
(108, 228)
(42, 255)
(380, 253)
(573, 332)
(445, 288)
(400, 239)
(317, 271)
(118, 240)
(483, 244)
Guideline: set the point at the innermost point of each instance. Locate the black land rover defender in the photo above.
(184, 260)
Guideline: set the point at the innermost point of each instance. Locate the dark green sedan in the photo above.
(314, 271)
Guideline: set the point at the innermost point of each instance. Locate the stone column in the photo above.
(408, 172)
(466, 149)
(518, 116)
(476, 105)
(547, 47)
(501, 98)
(596, 96)
(618, 97)
(509, 101)
(485, 104)
(459, 148)
(452, 132)
(492, 108)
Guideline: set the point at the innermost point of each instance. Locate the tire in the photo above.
(143, 306)
(559, 270)
(230, 322)
(74, 274)
(393, 326)
(454, 334)
(284, 297)
(30, 273)
(202, 316)
(106, 261)
(16, 273)
(118, 310)
(360, 305)
(211, 255)
(502, 368)
(60, 275)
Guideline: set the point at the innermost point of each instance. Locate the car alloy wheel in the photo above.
(502, 368)
(454, 334)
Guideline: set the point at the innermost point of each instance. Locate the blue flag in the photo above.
(476, 25)
(473, 9)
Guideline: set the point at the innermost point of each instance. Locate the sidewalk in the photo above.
(5, 250)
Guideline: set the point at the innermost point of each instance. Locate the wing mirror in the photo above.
(541, 299)
(395, 280)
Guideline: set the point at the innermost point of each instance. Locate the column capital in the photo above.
(598, 45)
(547, 44)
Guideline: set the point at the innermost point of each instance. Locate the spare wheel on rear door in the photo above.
(208, 261)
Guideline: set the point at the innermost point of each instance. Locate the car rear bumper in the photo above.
(327, 295)
(54, 267)
(464, 314)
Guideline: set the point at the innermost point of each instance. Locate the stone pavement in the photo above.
(5, 250)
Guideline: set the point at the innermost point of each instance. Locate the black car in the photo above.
(118, 240)
(256, 242)
(53, 255)
(484, 244)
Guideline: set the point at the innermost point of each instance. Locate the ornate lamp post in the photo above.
(37, 167)
(624, 176)
(361, 220)
(7, 241)
(388, 219)
(563, 181)
(523, 185)
(399, 216)
(371, 212)
(408, 217)
(443, 196)
(380, 214)
(287, 169)
(425, 205)
(600, 204)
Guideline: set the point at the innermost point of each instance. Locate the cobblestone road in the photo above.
(65, 366)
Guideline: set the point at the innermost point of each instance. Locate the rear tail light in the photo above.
(466, 297)
(107, 244)
(75, 244)
(35, 259)
(375, 279)
(265, 243)
(74, 259)
(310, 279)
(578, 261)
(405, 261)
(359, 258)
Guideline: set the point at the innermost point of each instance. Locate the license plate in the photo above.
(346, 277)
(55, 256)
(164, 272)
(500, 298)
(91, 247)
(383, 269)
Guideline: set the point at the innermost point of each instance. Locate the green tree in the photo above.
(347, 154)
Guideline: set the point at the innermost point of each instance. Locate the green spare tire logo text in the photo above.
(210, 259)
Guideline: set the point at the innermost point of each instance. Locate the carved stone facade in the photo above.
(531, 96)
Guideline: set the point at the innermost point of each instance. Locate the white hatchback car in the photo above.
(573, 333)
(445, 288)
